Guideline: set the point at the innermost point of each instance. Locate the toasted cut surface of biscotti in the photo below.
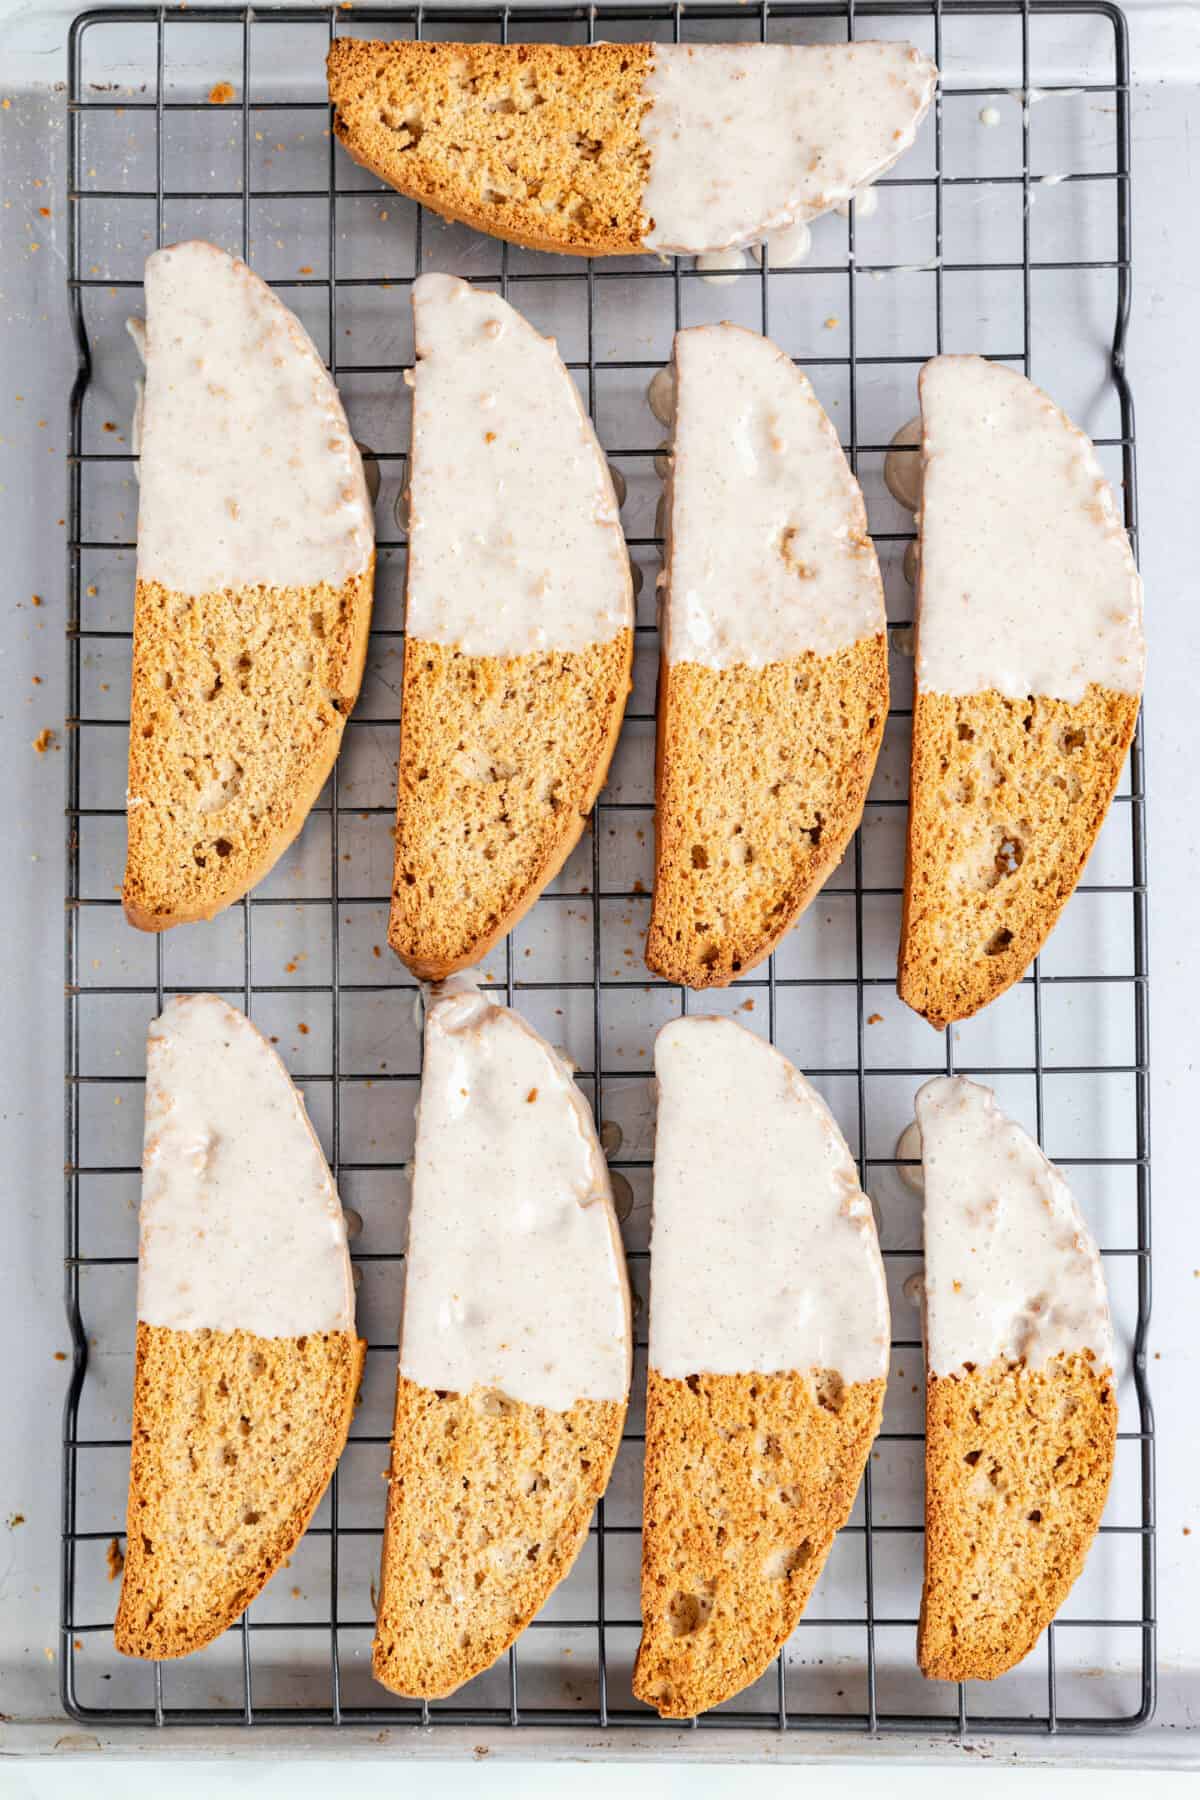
(1007, 798)
(239, 702)
(1030, 657)
(501, 759)
(1017, 1469)
(235, 1437)
(489, 1501)
(538, 143)
(762, 778)
(748, 1479)
(255, 563)
(611, 149)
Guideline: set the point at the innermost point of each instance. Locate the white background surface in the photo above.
(35, 361)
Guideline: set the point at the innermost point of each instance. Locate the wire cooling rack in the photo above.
(210, 121)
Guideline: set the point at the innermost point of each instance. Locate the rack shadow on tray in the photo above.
(158, 154)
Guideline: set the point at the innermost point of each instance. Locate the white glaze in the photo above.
(1011, 1269)
(240, 1223)
(989, 116)
(249, 474)
(746, 138)
(769, 554)
(763, 1253)
(514, 540)
(1027, 580)
(515, 1275)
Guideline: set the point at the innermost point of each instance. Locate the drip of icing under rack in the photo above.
(902, 466)
(784, 248)
(908, 1151)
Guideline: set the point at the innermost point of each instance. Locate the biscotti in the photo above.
(247, 1363)
(514, 1353)
(773, 682)
(255, 564)
(1020, 1406)
(1028, 675)
(612, 149)
(769, 1336)
(520, 628)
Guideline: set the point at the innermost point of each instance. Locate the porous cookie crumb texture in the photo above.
(536, 143)
(238, 705)
(235, 1438)
(1007, 798)
(489, 1502)
(501, 759)
(747, 1480)
(1017, 1469)
(762, 777)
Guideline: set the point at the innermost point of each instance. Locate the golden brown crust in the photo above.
(501, 760)
(747, 1480)
(537, 143)
(1017, 1469)
(1007, 798)
(761, 779)
(489, 1502)
(235, 1438)
(239, 701)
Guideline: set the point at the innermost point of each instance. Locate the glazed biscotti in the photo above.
(515, 1350)
(1020, 1407)
(773, 683)
(255, 564)
(611, 149)
(1029, 670)
(247, 1363)
(768, 1356)
(520, 628)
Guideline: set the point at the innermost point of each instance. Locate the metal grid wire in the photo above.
(784, 1703)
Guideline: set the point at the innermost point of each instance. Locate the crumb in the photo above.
(78, 1643)
(531, 1096)
(60, 1356)
(115, 1558)
(35, 599)
(832, 322)
(639, 887)
(303, 1029)
(91, 592)
(306, 268)
(290, 968)
(109, 426)
(36, 680)
(43, 740)
(295, 1593)
(221, 94)
(14, 1519)
(1187, 1531)
(746, 1006)
(875, 1019)
(375, 950)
